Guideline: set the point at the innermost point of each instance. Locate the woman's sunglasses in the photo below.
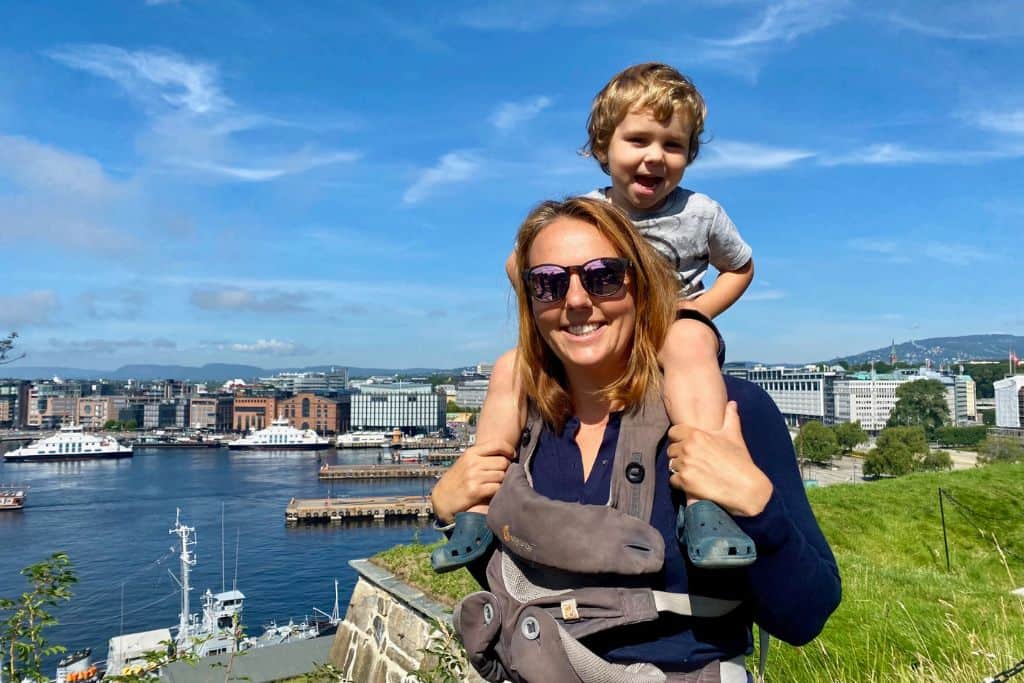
(602, 277)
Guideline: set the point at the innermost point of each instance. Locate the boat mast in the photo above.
(184, 533)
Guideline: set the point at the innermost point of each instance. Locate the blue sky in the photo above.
(285, 184)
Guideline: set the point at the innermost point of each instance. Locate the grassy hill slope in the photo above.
(903, 616)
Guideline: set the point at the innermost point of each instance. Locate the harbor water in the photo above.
(112, 518)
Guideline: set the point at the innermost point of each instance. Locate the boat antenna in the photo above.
(234, 579)
(222, 546)
(188, 560)
(335, 615)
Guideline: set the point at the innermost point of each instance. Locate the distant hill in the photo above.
(945, 349)
(211, 372)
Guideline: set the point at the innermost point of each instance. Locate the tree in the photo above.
(935, 460)
(849, 435)
(129, 425)
(899, 451)
(920, 403)
(1001, 449)
(816, 442)
(961, 436)
(7, 347)
(23, 620)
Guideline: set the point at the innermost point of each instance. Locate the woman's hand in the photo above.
(472, 480)
(717, 466)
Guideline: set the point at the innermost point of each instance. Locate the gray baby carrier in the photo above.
(563, 571)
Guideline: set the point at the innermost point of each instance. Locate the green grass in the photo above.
(903, 616)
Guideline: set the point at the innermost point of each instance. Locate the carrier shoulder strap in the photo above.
(529, 438)
(633, 475)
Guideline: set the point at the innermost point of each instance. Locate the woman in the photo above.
(595, 302)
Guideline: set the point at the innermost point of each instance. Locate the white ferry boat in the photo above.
(281, 436)
(364, 440)
(70, 443)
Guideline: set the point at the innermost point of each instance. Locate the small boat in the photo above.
(78, 667)
(70, 443)
(12, 497)
(364, 440)
(281, 436)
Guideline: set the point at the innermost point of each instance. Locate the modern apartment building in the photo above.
(52, 403)
(94, 411)
(13, 403)
(202, 412)
(309, 382)
(801, 394)
(471, 393)
(410, 407)
(1010, 402)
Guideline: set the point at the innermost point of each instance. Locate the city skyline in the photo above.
(187, 182)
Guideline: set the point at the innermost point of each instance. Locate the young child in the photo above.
(644, 130)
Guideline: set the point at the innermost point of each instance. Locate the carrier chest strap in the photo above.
(634, 476)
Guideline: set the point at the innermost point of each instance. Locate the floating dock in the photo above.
(337, 510)
(398, 471)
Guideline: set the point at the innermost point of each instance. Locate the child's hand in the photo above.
(472, 480)
(717, 466)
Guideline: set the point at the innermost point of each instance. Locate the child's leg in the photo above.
(504, 412)
(501, 419)
(695, 395)
(694, 389)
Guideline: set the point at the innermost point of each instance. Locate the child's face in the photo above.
(646, 159)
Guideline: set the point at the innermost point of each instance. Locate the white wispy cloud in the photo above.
(112, 305)
(453, 168)
(35, 166)
(970, 20)
(1011, 122)
(194, 125)
(508, 115)
(536, 15)
(956, 254)
(283, 167)
(895, 154)
(269, 347)
(238, 299)
(764, 295)
(30, 308)
(786, 21)
(876, 246)
(94, 346)
(881, 154)
(150, 76)
(735, 156)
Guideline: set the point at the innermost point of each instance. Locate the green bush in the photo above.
(960, 436)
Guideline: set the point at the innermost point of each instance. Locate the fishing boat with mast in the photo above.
(216, 630)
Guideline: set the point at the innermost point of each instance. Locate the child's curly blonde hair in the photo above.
(652, 86)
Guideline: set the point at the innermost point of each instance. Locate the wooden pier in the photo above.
(338, 510)
(396, 471)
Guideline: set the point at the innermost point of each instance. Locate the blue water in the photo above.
(112, 518)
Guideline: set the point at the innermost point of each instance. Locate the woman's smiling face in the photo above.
(588, 333)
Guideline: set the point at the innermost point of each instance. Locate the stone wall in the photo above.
(387, 629)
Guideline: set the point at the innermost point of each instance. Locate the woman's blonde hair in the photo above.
(656, 87)
(654, 291)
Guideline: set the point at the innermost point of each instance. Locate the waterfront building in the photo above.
(14, 403)
(225, 413)
(165, 414)
(252, 412)
(484, 369)
(1010, 401)
(132, 412)
(308, 411)
(95, 411)
(202, 412)
(801, 394)
(471, 393)
(309, 382)
(52, 403)
(410, 407)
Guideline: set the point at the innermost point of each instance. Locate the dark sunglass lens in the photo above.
(548, 283)
(604, 277)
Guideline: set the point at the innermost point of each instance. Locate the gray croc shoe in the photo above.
(469, 541)
(712, 538)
